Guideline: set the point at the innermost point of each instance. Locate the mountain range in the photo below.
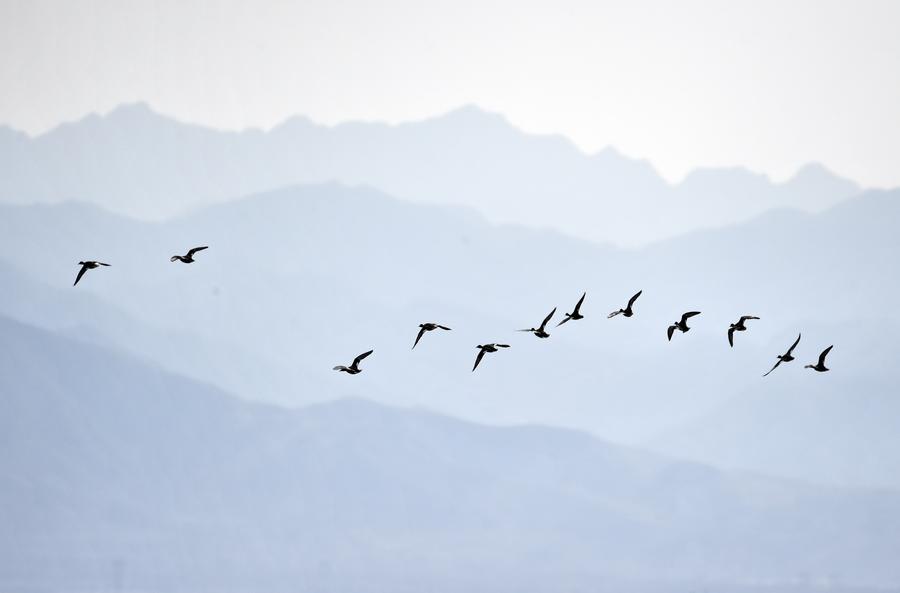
(118, 474)
(140, 163)
(301, 279)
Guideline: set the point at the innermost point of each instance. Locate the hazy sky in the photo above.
(769, 85)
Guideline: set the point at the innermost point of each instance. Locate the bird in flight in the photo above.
(681, 325)
(353, 369)
(427, 327)
(541, 331)
(85, 266)
(627, 312)
(738, 327)
(576, 313)
(786, 357)
(820, 366)
(188, 258)
(486, 348)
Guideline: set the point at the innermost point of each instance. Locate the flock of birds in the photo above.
(540, 331)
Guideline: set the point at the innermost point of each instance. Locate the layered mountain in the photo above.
(118, 474)
(298, 280)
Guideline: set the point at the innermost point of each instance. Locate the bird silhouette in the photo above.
(786, 357)
(820, 365)
(85, 266)
(188, 258)
(486, 348)
(541, 331)
(738, 327)
(576, 313)
(353, 369)
(681, 325)
(427, 327)
(627, 312)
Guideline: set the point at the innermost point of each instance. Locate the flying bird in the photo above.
(820, 366)
(738, 327)
(786, 357)
(427, 327)
(486, 348)
(627, 312)
(85, 266)
(681, 325)
(576, 313)
(188, 258)
(353, 369)
(541, 331)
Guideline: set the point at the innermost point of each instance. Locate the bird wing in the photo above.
(444, 327)
(671, 331)
(824, 354)
(614, 313)
(566, 318)
(175, 258)
(101, 263)
(80, 274)
(635, 297)
(359, 358)
(547, 318)
(478, 359)
(196, 249)
(688, 315)
(419, 337)
(747, 317)
(794, 345)
(578, 304)
(731, 337)
(773, 368)
(339, 367)
(502, 345)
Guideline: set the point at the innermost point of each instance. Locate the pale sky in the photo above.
(767, 85)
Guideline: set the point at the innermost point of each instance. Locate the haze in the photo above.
(767, 85)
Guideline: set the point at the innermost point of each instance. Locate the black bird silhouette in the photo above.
(681, 325)
(627, 312)
(786, 357)
(738, 327)
(486, 348)
(820, 366)
(576, 313)
(541, 332)
(427, 327)
(85, 266)
(189, 257)
(353, 369)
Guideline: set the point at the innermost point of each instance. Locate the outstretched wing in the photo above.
(175, 258)
(359, 358)
(688, 315)
(419, 337)
(502, 345)
(547, 318)
(747, 317)
(731, 337)
(773, 368)
(824, 354)
(635, 297)
(794, 345)
(101, 264)
(196, 249)
(340, 367)
(671, 331)
(614, 313)
(478, 359)
(566, 318)
(444, 327)
(80, 274)
(578, 304)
